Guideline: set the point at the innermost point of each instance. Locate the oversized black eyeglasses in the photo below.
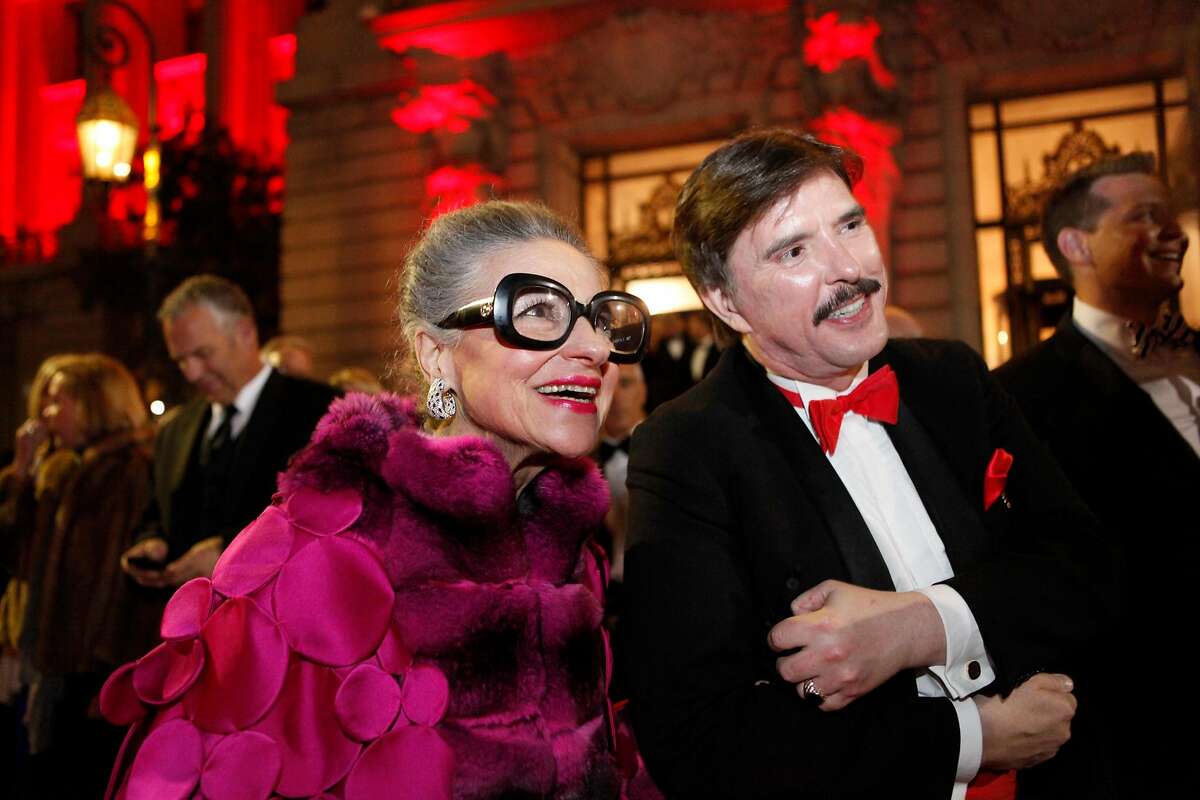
(536, 313)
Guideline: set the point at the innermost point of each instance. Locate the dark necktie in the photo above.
(877, 398)
(216, 445)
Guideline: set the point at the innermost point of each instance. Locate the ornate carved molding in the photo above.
(650, 240)
(641, 62)
(962, 28)
(1075, 151)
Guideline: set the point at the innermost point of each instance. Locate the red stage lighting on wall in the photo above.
(873, 140)
(830, 43)
(447, 106)
(457, 187)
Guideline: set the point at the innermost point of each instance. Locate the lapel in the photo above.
(777, 425)
(1116, 401)
(256, 436)
(958, 526)
(183, 437)
(944, 477)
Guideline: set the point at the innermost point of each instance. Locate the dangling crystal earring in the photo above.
(441, 401)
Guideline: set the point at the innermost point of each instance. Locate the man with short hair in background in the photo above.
(1115, 394)
(215, 461)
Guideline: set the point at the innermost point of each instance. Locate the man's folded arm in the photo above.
(966, 668)
(711, 715)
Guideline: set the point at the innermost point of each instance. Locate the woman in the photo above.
(31, 445)
(424, 606)
(76, 507)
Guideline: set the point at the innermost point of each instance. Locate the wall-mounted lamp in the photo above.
(106, 126)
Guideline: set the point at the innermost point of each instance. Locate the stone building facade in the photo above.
(572, 79)
(395, 106)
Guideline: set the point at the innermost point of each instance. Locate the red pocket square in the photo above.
(995, 477)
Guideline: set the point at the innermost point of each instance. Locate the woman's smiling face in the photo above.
(534, 401)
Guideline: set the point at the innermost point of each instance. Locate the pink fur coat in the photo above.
(397, 624)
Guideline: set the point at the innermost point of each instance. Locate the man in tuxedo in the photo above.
(838, 613)
(216, 460)
(667, 365)
(705, 352)
(1115, 393)
(627, 411)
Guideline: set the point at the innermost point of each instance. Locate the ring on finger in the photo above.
(810, 692)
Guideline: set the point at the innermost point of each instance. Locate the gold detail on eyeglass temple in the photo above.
(486, 310)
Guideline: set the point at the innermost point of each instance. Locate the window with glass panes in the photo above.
(628, 210)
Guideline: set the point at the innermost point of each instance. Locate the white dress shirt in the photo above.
(1170, 377)
(873, 474)
(244, 402)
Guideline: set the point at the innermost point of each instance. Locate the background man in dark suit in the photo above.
(668, 364)
(1117, 399)
(705, 352)
(215, 462)
(925, 579)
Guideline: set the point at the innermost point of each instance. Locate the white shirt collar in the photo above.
(814, 391)
(244, 402)
(1106, 330)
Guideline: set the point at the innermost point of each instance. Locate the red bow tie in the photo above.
(877, 398)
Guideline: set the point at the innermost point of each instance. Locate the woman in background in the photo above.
(418, 615)
(73, 513)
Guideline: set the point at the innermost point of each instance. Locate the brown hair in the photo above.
(1074, 205)
(735, 185)
(108, 397)
(41, 379)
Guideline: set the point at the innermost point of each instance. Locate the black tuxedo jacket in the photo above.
(735, 511)
(1141, 479)
(282, 422)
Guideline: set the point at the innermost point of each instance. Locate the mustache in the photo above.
(844, 292)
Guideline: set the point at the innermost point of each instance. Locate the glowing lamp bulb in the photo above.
(107, 132)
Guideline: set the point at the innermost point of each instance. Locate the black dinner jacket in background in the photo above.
(735, 511)
(1142, 480)
(281, 424)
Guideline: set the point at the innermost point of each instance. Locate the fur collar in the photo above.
(460, 484)
(60, 465)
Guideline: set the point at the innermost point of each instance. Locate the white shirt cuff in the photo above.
(970, 743)
(968, 668)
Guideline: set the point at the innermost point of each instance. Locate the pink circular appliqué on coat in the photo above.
(316, 754)
(367, 703)
(333, 601)
(187, 610)
(167, 766)
(255, 555)
(166, 672)
(241, 766)
(425, 695)
(324, 513)
(393, 655)
(119, 702)
(248, 659)
(406, 764)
